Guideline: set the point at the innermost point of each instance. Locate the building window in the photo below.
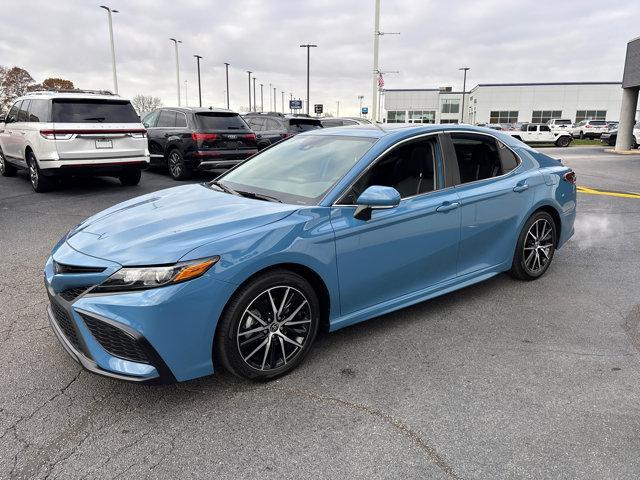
(451, 120)
(543, 116)
(396, 116)
(450, 105)
(503, 116)
(422, 116)
(591, 115)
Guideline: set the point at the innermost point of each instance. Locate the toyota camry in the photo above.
(321, 231)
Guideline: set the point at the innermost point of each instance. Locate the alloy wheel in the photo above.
(175, 165)
(274, 328)
(33, 174)
(538, 246)
(3, 167)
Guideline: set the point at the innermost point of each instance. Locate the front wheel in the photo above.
(535, 247)
(6, 169)
(130, 178)
(39, 182)
(563, 142)
(268, 327)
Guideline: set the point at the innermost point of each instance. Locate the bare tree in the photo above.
(145, 103)
(14, 82)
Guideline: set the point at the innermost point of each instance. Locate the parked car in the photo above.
(589, 129)
(343, 121)
(70, 133)
(610, 137)
(612, 125)
(560, 124)
(535, 133)
(186, 139)
(271, 127)
(495, 126)
(323, 230)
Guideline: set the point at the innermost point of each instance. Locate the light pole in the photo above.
(290, 98)
(309, 46)
(113, 49)
(186, 94)
(282, 101)
(337, 108)
(275, 100)
(175, 43)
(198, 57)
(360, 98)
(255, 109)
(464, 88)
(261, 98)
(270, 100)
(226, 68)
(376, 71)
(249, 72)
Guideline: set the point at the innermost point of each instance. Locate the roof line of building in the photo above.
(532, 84)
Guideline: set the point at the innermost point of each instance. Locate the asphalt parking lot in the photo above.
(500, 380)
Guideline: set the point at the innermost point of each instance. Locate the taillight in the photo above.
(138, 135)
(53, 135)
(204, 136)
(249, 136)
(570, 177)
(588, 126)
(285, 135)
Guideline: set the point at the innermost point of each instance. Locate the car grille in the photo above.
(70, 294)
(115, 341)
(66, 325)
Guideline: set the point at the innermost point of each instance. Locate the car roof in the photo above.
(198, 109)
(78, 94)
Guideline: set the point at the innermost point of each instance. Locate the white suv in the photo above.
(55, 133)
(560, 124)
(589, 129)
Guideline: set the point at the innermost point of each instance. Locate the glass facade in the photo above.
(503, 116)
(591, 115)
(450, 105)
(543, 116)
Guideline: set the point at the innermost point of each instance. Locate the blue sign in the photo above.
(295, 104)
(365, 110)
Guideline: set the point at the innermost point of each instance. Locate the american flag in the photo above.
(380, 80)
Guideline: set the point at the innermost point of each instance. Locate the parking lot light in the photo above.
(113, 49)
(198, 57)
(249, 72)
(308, 46)
(464, 88)
(226, 68)
(175, 43)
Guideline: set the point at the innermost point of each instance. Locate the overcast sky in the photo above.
(501, 40)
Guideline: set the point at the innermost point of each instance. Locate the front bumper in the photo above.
(160, 335)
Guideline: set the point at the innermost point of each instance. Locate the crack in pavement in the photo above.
(394, 423)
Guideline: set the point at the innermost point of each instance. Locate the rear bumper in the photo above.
(90, 167)
(217, 159)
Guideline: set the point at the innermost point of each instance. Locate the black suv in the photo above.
(271, 127)
(186, 139)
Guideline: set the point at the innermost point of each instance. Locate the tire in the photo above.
(39, 182)
(535, 239)
(177, 168)
(563, 141)
(6, 169)
(581, 135)
(250, 344)
(130, 178)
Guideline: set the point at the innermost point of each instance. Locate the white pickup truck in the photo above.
(539, 133)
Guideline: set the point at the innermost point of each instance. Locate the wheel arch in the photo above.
(555, 215)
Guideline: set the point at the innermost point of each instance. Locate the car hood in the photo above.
(161, 227)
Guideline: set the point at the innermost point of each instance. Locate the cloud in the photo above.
(501, 41)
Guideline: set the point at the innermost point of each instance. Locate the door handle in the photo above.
(445, 207)
(520, 188)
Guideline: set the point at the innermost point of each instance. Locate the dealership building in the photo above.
(505, 103)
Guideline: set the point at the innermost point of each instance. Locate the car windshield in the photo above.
(220, 121)
(300, 170)
(93, 111)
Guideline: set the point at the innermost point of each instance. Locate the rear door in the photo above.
(11, 137)
(97, 129)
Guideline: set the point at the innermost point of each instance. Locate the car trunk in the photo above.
(97, 129)
(223, 131)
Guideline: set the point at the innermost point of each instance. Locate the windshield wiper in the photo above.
(224, 188)
(259, 196)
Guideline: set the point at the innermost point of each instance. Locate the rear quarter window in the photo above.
(93, 111)
(39, 110)
(220, 121)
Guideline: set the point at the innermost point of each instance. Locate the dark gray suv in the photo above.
(271, 127)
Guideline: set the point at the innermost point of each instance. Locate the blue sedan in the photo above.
(324, 230)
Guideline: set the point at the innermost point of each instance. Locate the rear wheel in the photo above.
(130, 178)
(6, 169)
(177, 168)
(563, 141)
(39, 182)
(268, 327)
(535, 248)
(581, 135)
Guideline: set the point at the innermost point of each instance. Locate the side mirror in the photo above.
(146, 125)
(375, 197)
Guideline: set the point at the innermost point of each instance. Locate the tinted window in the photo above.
(303, 124)
(151, 118)
(332, 123)
(273, 125)
(508, 159)
(13, 113)
(349, 122)
(545, 128)
(598, 122)
(531, 128)
(181, 120)
(477, 156)
(93, 111)
(167, 119)
(39, 110)
(23, 115)
(256, 123)
(220, 121)
(409, 169)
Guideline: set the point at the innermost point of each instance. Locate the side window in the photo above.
(256, 124)
(545, 128)
(13, 113)
(39, 110)
(181, 120)
(532, 128)
(167, 119)
(477, 156)
(508, 159)
(409, 168)
(273, 125)
(149, 121)
(349, 122)
(23, 113)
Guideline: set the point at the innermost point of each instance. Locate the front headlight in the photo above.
(143, 278)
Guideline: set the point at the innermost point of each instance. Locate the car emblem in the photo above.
(232, 137)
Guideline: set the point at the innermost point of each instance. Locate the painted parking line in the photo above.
(595, 191)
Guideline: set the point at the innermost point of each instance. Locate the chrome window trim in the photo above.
(345, 191)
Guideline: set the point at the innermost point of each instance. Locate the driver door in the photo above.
(404, 249)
